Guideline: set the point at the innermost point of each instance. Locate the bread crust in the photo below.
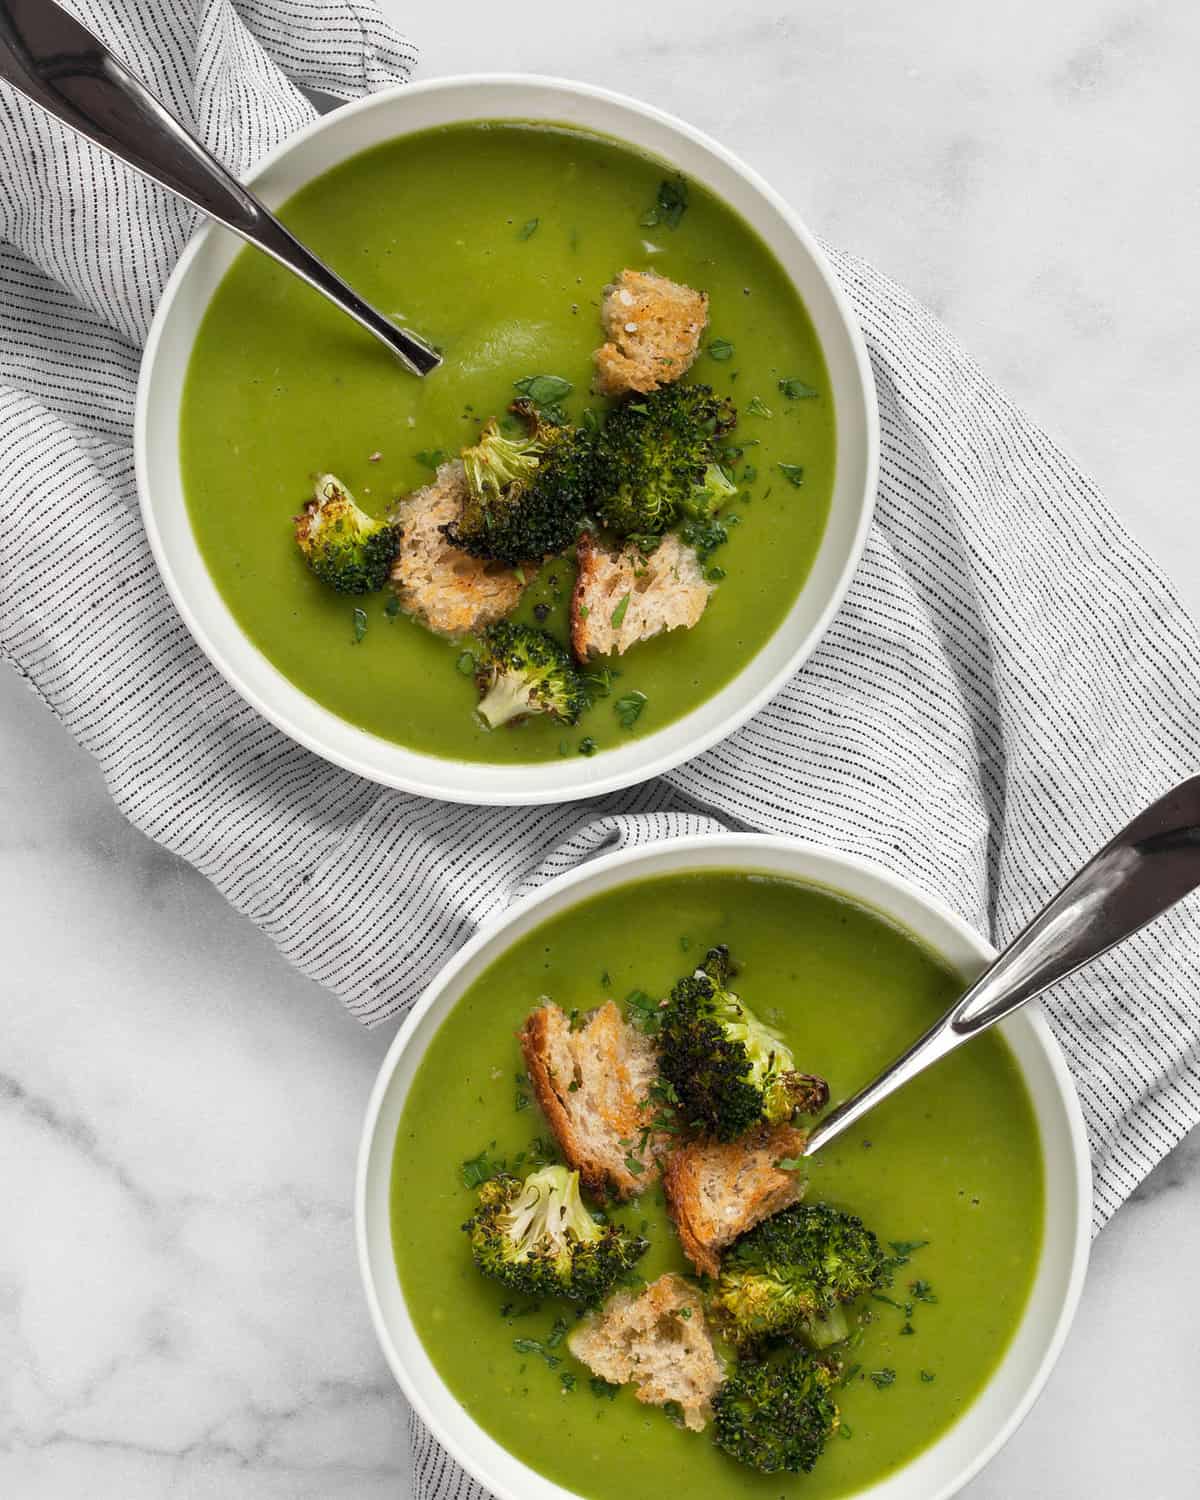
(447, 590)
(664, 590)
(658, 1339)
(652, 327)
(716, 1192)
(613, 1066)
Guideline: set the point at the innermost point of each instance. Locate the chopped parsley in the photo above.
(880, 1379)
(628, 709)
(528, 228)
(547, 392)
(670, 203)
(902, 1249)
(618, 614)
(603, 1389)
(360, 625)
(796, 390)
(757, 408)
(643, 1011)
(720, 350)
(793, 473)
(587, 745)
(479, 1169)
(431, 458)
(466, 663)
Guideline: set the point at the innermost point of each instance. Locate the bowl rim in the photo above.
(592, 780)
(735, 851)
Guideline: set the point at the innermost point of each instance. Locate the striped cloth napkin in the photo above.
(1009, 680)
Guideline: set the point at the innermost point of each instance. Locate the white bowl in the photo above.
(400, 111)
(940, 1470)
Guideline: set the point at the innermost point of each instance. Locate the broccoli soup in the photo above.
(851, 1308)
(407, 593)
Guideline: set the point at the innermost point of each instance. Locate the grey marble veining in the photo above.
(179, 1306)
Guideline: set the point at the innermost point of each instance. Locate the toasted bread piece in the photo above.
(653, 328)
(659, 1340)
(717, 1192)
(448, 591)
(665, 590)
(612, 1065)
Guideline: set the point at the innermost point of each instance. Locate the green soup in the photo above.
(954, 1160)
(495, 241)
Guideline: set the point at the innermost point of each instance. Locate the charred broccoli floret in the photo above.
(791, 1275)
(657, 460)
(346, 548)
(521, 670)
(729, 1070)
(525, 495)
(538, 1238)
(776, 1416)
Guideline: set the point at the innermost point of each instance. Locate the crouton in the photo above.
(717, 1192)
(448, 591)
(593, 1086)
(653, 328)
(625, 596)
(659, 1340)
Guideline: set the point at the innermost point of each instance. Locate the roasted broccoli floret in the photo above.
(791, 1274)
(775, 1416)
(729, 1070)
(538, 1238)
(521, 670)
(346, 548)
(657, 460)
(527, 494)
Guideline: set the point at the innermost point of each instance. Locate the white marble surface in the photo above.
(179, 1309)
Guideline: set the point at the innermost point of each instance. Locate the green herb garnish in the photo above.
(793, 473)
(757, 408)
(587, 745)
(882, 1378)
(796, 390)
(928, 1376)
(603, 1389)
(902, 1249)
(618, 614)
(466, 663)
(547, 392)
(479, 1169)
(670, 204)
(431, 458)
(392, 608)
(643, 1011)
(628, 708)
(720, 350)
(529, 227)
(360, 625)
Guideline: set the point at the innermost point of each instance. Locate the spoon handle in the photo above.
(1150, 865)
(52, 59)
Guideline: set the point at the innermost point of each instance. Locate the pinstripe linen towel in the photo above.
(1008, 681)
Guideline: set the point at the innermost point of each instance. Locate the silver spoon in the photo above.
(61, 66)
(1147, 868)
